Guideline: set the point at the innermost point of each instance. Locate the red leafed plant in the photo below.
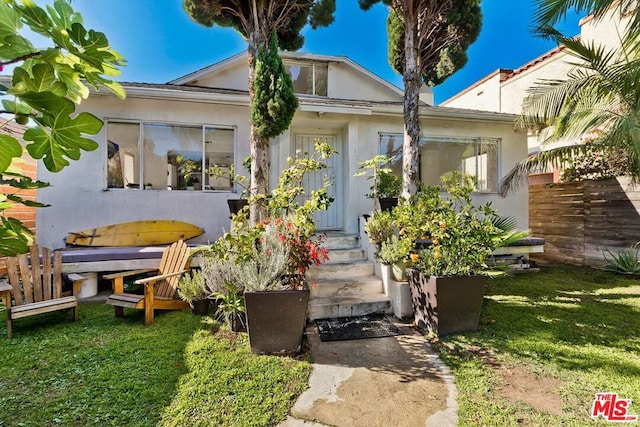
(305, 249)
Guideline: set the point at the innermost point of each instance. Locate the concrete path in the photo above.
(394, 381)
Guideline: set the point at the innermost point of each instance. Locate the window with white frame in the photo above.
(161, 156)
(479, 157)
(309, 78)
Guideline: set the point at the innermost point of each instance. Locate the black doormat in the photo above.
(354, 328)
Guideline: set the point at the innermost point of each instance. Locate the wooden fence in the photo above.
(581, 220)
(24, 213)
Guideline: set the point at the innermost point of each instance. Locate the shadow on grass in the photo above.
(579, 319)
(97, 371)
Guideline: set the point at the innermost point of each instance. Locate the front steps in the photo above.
(346, 285)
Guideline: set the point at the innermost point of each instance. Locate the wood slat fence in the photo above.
(580, 220)
(24, 213)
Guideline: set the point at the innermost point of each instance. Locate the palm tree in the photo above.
(599, 100)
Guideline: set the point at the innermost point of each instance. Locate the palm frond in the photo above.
(551, 12)
(555, 157)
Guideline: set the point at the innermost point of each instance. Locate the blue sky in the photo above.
(161, 43)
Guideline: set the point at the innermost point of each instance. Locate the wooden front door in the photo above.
(331, 218)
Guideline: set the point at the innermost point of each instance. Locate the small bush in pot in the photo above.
(379, 228)
(191, 289)
(396, 252)
(225, 289)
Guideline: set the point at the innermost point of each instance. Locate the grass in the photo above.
(575, 331)
(102, 371)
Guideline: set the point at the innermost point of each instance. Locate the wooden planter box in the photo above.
(446, 304)
(276, 320)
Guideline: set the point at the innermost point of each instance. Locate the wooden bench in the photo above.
(35, 286)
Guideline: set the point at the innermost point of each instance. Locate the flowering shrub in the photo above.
(304, 248)
(462, 234)
(289, 226)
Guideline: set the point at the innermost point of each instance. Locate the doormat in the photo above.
(354, 328)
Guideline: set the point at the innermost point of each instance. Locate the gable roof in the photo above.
(300, 56)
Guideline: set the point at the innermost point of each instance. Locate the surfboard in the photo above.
(137, 233)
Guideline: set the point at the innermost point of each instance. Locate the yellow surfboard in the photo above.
(137, 233)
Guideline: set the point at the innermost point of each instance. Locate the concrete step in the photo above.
(347, 287)
(338, 240)
(337, 256)
(341, 270)
(346, 306)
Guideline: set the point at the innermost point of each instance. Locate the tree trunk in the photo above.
(412, 83)
(259, 146)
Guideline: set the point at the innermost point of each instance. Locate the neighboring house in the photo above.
(504, 90)
(203, 118)
(27, 166)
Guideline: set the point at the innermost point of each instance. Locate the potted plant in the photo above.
(276, 313)
(235, 205)
(190, 170)
(448, 279)
(191, 289)
(225, 290)
(379, 228)
(386, 187)
(270, 258)
(396, 252)
(389, 188)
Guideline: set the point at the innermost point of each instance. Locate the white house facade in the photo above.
(504, 90)
(202, 119)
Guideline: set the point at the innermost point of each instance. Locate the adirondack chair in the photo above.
(35, 286)
(159, 290)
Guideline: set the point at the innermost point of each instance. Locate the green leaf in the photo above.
(9, 20)
(16, 107)
(36, 18)
(14, 46)
(48, 102)
(15, 238)
(20, 181)
(44, 148)
(30, 203)
(10, 148)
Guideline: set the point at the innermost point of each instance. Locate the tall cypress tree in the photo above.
(257, 20)
(428, 40)
(274, 102)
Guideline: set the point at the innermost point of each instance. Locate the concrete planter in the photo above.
(276, 320)
(446, 304)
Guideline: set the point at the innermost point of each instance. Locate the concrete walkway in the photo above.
(394, 381)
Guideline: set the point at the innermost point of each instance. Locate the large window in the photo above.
(309, 78)
(159, 156)
(473, 156)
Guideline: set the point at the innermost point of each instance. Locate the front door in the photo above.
(329, 219)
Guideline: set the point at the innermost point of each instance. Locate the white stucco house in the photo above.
(204, 117)
(504, 90)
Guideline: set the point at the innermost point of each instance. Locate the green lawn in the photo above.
(547, 343)
(101, 371)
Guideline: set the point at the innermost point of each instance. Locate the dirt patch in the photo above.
(539, 392)
(521, 385)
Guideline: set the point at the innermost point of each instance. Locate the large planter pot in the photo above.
(200, 307)
(236, 205)
(276, 320)
(388, 203)
(446, 304)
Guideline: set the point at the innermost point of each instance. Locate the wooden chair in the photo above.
(159, 290)
(35, 286)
